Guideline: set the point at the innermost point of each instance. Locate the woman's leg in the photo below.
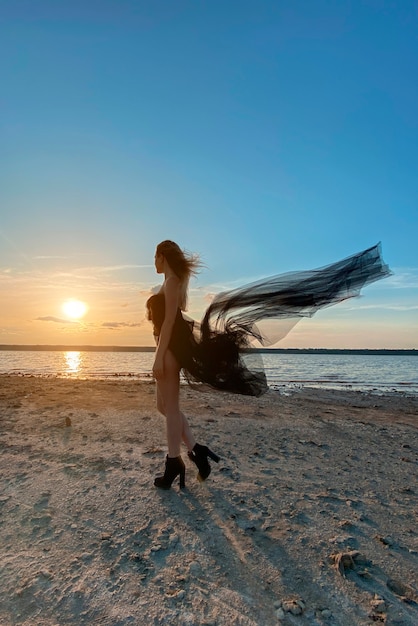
(168, 403)
(187, 434)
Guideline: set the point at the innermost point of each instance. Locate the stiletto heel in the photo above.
(173, 467)
(213, 456)
(199, 455)
(182, 481)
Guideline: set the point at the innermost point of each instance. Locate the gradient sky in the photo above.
(267, 136)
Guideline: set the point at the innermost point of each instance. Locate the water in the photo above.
(380, 372)
(286, 371)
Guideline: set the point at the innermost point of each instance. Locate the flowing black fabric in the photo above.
(214, 352)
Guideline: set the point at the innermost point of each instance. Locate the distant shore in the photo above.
(89, 348)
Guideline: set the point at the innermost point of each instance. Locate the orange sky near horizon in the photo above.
(116, 316)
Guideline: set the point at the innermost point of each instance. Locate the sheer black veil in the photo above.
(213, 352)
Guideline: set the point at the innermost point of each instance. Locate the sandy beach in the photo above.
(311, 516)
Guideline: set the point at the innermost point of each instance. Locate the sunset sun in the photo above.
(74, 308)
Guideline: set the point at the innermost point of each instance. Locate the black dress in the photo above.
(216, 351)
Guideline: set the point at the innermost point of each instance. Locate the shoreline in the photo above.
(309, 518)
(284, 387)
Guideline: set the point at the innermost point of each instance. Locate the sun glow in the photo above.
(74, 308)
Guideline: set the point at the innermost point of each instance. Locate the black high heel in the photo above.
(173, 467)
(199, 455)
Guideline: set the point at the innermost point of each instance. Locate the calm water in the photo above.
(380, 373)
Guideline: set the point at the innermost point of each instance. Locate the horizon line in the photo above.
(106, 348)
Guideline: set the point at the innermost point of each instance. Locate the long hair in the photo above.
(182, 263)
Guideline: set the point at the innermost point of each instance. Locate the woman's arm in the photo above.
(171, 297)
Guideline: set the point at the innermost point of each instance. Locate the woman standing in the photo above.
(214, 353)
(173, 336)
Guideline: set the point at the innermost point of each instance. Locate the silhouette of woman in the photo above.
(174, 340)
(214, 351)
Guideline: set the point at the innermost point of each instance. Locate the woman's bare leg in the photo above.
(187, 434)
(168, 403)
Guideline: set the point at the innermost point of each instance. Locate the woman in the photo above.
(173, 336)
(214, 353)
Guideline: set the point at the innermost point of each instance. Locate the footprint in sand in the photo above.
(43, 502)
(404, 591)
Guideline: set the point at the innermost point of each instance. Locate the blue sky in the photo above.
(266, 136)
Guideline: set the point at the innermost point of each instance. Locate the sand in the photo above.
(311, 516)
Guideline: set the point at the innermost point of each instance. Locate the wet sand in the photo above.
(311, 516)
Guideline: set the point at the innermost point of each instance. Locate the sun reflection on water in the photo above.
(73, 363)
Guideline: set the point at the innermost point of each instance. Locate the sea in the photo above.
(285, 371)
